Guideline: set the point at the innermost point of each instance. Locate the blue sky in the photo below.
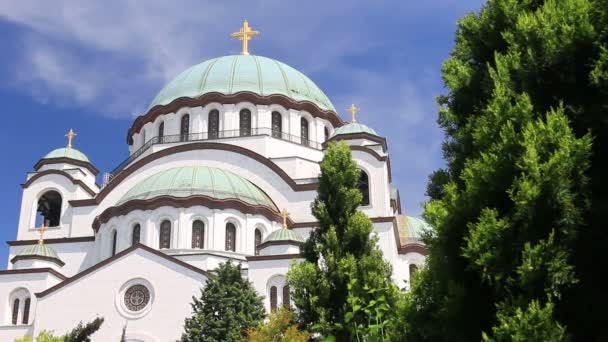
(94, 66)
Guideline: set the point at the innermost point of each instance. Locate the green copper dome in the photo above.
(67, 152)
(284, 235)
(232, 74)
(41, 250)
(198, 180)
(411, 227)
(353, 128)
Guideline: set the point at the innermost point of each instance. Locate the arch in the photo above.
(244, 122)
(164, 235)
(26, 310)
(364, 187)
(184, 127)
(48, 210)
(161, 130)
(304, 132)
(230, 237)
(277, 125)
(273, 298)
(19, 303)
(257, 241)
(114, 240)
(136, 234)
(286, 296)
(198, 234)
(213, 124)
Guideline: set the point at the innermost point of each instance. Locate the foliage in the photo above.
(279, 328)
(227, 307)
(343, 288)
(81, 333)
(519, 231)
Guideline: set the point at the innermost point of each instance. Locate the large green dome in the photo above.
(232, 74)
(198, 180)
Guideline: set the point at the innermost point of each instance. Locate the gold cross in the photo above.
(42, 229)
(70, 136)
(245, 35)
(353, 110)
(284, 215)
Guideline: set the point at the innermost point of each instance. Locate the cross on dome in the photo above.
(244, 35)
(284, 215)
(353, 111)
(71, 134)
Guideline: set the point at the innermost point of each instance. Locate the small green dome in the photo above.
(416, 227)
(232, 74)
(41, 250)
(198, 180)
(67, 152)
(353, 128)
(284, 235)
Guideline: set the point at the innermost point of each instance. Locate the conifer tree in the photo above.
(519, 218)
(227, 308)
(343, 288)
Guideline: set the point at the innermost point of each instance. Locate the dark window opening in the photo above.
(364, 187)
(161, 131)
(114, 238)
(304, 132)
(185, 128)
(230, 237)
(49, 209)
(286, 296)
(165, 235)
(26, 311)
(326, 131)
(258, 241)
(277, 125)
(413, 270)
(136, 234)
(245, 122)
(273, 298)
(15, 311)
(198, 234)
(213, 125)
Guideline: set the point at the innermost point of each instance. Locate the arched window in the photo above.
(258, 241)
(286, 296)
(326, 131)
(49, 209)
(364, 187)
(198, 234)
(273, 298)
(230, 237)
(184, 130)
(114, 238)
(245, 122)
(15, 311)
(143, 136)
(135, 234)
(304, 131)
(26, 310)
(161, 131)
(213, 125)
(413, 270)
(277, 125)
(165, 235)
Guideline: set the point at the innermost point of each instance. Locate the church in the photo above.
(223, 165)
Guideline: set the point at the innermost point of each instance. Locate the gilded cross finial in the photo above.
(71, 134)
(245, 35)
(284, 215)
(42, 229)
(353, 111)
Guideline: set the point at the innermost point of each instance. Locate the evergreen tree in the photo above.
(518, 249)
(83, 332)
(227, 308)
(343, 287)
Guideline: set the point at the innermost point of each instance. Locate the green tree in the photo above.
(227, 308)
(82, 333)
(519, 222)
(343, 287)
(279, 328)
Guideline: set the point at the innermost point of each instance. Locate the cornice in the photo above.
(273, 257)
(65, 160)
(61, 173)
(356, 136)
(37, 257)
(34, 270)
(51, 241)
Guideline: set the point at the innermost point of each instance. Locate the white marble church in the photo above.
(222, 166)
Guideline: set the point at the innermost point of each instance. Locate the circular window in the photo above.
(137, 297)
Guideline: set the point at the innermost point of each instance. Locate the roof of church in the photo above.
(237, 73)
(39, 249)
(198, 180)
(284, 235)
(353, 128)
(67, 152)
(411, 227)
